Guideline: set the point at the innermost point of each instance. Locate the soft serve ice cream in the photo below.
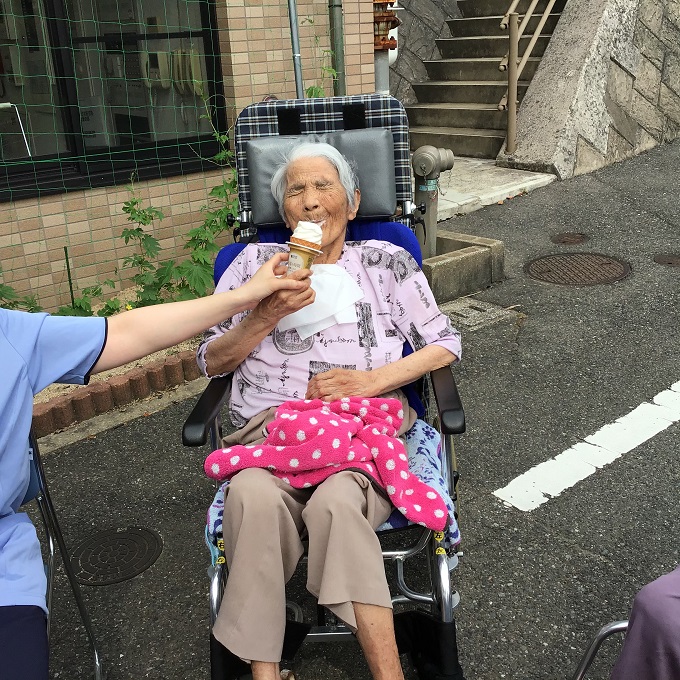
(305, 245)
(307, 234)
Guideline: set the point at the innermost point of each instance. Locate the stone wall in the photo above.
(642, 95)
(607, 88)
(423, 21)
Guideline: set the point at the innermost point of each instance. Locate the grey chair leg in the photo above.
(50, 562)
(54, 530)
(595, 644)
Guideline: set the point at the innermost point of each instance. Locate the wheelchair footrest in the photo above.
(430, 643)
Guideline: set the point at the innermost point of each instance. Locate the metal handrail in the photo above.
(511, 10)
(504, 25)
(532, 42)
(511, 92)
(513, 64)
(535, 36)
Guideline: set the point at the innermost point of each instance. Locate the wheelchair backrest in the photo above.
(327, 119)
(370, 152)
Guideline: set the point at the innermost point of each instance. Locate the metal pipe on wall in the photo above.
(511, 143)
(295, 40)
(337, 46)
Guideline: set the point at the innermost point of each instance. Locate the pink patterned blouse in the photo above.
(397, 306)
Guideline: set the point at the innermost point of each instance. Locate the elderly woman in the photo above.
(272, 366)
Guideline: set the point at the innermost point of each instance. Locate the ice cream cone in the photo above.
(301, 256)
(302, 242)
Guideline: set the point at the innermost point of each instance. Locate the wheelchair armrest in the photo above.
(208, 407)
(449, 405)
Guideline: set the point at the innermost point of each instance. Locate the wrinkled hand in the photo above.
(283, 302)
(270, 278)
(341, 382)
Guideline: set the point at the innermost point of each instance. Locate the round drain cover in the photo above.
(570, 238)
(670, 259)
(577, 269)
(115, 555)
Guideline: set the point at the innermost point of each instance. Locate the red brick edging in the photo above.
(88, 401)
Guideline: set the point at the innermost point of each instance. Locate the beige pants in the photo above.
(263, 520)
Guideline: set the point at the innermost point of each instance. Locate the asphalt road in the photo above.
(564, 362)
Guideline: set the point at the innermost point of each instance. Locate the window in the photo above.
(92, 90)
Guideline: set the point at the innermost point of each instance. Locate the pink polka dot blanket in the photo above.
(310, 440)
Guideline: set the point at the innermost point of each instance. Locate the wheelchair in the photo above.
(372, 132)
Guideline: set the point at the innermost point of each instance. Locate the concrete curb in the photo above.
(88, 401)
(464, 264)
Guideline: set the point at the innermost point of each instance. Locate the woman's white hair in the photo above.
(348, 176)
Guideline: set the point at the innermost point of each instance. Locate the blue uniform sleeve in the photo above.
(57, 348)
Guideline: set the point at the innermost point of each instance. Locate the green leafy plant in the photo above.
(10, 299)
(151, 280)
(82, 306)
(324, 58)
(159, 281)
(194, 276)
(191, 278)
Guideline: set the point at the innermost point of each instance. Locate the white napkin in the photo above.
(336, 292)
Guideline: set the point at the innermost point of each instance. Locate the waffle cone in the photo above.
(306, 244)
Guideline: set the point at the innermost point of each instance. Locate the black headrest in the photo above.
(370, 151)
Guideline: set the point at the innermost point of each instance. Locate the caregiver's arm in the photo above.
(141, 331)
(226, 352)
(340, 382)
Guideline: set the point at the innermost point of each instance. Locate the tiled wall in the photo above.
(257, 61)
(33, 233)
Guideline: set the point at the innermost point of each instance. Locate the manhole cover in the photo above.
(670, 259)
(115, 555)
(577, 269)
(571, 238)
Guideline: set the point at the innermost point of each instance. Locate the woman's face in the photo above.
(314, 193)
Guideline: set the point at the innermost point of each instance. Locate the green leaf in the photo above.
(110, 307)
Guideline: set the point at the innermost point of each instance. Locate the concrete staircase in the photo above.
(458, 106)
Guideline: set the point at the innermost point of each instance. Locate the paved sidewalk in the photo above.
(556, 365)
(473, 183)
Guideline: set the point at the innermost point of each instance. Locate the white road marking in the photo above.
(547, 480)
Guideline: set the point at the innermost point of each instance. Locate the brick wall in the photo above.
(256, 59)
(33, 233)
